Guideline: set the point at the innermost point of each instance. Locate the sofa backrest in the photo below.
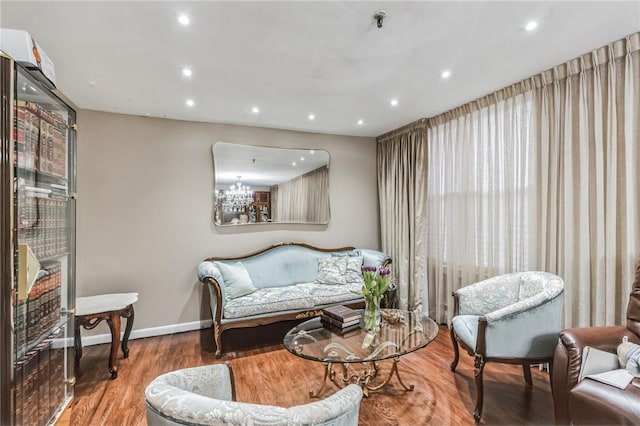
(282, 265)
(633, 310)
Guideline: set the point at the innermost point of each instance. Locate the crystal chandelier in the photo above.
(236, 198)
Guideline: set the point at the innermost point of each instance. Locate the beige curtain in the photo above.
(302, 199)
(402, 173)
(589, 132)
(542, 175)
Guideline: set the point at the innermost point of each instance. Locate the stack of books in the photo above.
(340, 318)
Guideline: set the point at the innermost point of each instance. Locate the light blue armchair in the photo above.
(206, 396)
(513, 318)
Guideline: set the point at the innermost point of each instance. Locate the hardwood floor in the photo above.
(266, 373)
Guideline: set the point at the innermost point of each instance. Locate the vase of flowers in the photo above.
(376, 282)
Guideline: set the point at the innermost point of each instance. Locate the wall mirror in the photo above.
(260, 185)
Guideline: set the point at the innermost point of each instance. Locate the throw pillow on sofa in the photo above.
(354, 270)
(237, 281)
(332, 270)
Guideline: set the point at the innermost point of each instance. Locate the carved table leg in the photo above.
(129, 315)
(114, 325)
(328, 372)
(394, 369)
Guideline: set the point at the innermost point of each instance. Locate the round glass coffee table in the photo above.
(401, 332)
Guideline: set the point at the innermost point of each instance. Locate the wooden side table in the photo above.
(90, 311)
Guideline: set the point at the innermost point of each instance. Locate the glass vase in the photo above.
(372, 315)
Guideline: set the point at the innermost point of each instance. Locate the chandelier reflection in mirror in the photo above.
(236, 198)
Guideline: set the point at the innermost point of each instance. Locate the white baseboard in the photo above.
(147, 332)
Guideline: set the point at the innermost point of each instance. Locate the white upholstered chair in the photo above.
(513, 318)
(206, 396)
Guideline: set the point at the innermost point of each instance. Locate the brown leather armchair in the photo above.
(591, 402)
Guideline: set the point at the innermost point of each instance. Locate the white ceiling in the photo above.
(296, 58)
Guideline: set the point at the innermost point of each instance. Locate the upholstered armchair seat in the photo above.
(206, 396)
(513, 318)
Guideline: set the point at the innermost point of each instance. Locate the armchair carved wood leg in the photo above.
(526, 369)
(478, 370)
(456, 353)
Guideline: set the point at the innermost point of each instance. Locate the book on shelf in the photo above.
(337, 323)
(341, 313)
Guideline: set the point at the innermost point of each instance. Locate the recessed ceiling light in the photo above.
(301, 158)
(531, 25)
(190, 102)
(446, 74)
(312, 117)
(184, 19)
(293, 164)
(312, 152)
(394, 102)
(187, 72)
(255, 110)
(360, 122)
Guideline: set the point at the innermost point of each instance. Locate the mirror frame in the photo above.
(296, 153)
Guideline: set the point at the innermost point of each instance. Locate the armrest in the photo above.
(472, 299)
(567, 360)
(344, 403)
(185, 407)
(209, 273)
(521, 306)
(372, 257)
(208, 269)
(184, 395)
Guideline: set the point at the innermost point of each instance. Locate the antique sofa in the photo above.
(283, 282)
(589, 401)
(206, 396)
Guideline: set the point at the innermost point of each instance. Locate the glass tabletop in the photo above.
(401, 332)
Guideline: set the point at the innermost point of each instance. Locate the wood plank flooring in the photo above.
(266, 373)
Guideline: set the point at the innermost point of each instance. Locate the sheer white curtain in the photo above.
(542, 175)
(480, 197)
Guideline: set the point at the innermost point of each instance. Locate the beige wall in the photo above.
(144, 209)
